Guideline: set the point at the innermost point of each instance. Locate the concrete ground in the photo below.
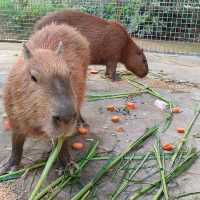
(175, 76)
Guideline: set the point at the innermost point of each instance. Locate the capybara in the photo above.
(109, 41)
(46, 87)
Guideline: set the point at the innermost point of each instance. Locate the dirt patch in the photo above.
(174, 87)
(6, 192)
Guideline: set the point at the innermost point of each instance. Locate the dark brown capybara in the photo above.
(109, 41)
(45, 88)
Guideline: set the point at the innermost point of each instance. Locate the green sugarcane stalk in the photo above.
(59, 188)
(48, 166)
(137, 157)
(21, 172)
(185, 136)
(125, 183)
(114, 160)
(82, 164)
(85, 196)
(123, 165)
(158, 194)
(169, 117)
(62, 181)
(150, 91)
(110, 96)
(179, 169)
(168, 121)
(185, 195)
(161, 168)
(48, 188)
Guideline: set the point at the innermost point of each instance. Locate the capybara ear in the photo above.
(26, 51)
(60, 49)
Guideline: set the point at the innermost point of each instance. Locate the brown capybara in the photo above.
(109, 41)
(46, 87)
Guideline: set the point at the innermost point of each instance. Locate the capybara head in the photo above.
(135, 60)
(51, 98)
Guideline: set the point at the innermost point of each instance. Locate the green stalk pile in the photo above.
(185, 136)
(115, 160)
(179, 169)
(126, 161)
(152, 92)
(21, 172)
(57, 185)
(161, 164)
(125, 182)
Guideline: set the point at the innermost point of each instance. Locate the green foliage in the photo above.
(21, 15)
(159, 19)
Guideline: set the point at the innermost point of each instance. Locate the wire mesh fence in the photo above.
(164, 20)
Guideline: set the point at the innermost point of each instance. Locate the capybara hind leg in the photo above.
(66, 158)
(16, 154)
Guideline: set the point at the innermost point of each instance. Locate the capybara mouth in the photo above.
(55, 131)
(67, 128)
(144, 73)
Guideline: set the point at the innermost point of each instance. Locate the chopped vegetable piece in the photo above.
(115, 118)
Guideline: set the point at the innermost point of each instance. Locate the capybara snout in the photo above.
(65, 113)
(64, 107)
(135, 60)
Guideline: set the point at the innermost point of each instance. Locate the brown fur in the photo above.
(109, 41)
(60, 85)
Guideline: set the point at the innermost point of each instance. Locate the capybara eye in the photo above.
(33, 78)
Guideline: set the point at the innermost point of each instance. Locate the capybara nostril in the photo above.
(64, 115)
(56, 118)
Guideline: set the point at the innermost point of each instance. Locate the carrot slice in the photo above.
(77, 146)
(110, 108)
(167, 147)
(115, 118)
(130, 105)
(176, 110)
(82, 131)
(180, 130)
